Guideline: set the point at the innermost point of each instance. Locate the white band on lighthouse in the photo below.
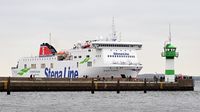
(169, 69)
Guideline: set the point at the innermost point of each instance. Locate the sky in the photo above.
(25, 24)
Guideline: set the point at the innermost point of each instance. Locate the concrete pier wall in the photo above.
(90, 84)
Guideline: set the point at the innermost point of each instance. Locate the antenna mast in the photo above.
(170, 38)
(114, 38)
(50, 38)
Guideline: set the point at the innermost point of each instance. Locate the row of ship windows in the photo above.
(115, 45)
(121, 56)
(81, 56)
(33, 66)
(120, 50)
(98, 56)
(43, 65)
(39, 59)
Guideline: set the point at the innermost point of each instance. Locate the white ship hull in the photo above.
(65, 72)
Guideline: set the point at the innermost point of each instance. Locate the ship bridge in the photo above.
(117, 54)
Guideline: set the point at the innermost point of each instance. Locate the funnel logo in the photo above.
(61, 73)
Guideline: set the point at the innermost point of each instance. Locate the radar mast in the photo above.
(114, 35)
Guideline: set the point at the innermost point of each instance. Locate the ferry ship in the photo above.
(101, 57)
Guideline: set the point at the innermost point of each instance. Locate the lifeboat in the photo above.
(86, 45)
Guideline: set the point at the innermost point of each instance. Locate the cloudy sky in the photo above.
(24, 24)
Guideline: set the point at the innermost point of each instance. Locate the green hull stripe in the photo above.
(169, 72)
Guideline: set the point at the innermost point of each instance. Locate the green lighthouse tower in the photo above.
(169, 54)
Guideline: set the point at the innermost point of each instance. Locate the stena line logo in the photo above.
(61, 73)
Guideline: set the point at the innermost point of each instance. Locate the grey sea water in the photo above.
(178, 101)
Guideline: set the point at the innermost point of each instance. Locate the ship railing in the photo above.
(127, 63)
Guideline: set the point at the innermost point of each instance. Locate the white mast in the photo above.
(50, 38)
(170, 38)
(114, 36)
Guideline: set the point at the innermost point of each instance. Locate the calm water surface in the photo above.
(180, 101)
